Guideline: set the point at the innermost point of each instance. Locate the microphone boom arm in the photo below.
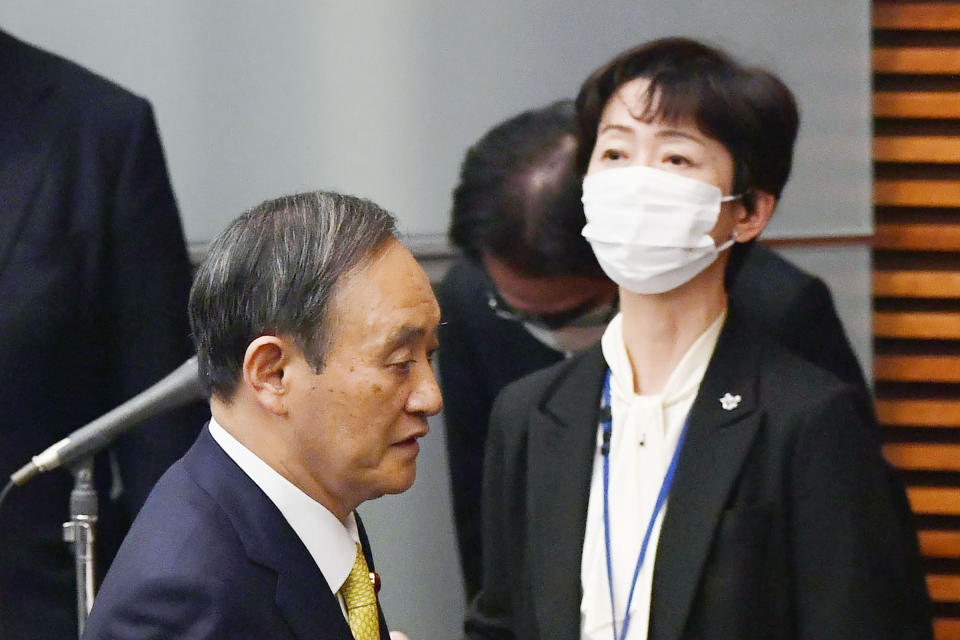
(176, 389)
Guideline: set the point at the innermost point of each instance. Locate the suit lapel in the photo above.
(562, 436)
(303, 596)
(718, 440)
(305, 600)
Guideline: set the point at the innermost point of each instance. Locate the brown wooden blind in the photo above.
(916, 279)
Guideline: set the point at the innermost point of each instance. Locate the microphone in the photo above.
(178, 388)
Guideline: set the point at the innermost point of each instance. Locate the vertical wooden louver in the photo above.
(916, 278)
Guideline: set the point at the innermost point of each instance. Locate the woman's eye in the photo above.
(678, 161)
(612, 154)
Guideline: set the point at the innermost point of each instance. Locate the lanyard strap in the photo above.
(606, 424)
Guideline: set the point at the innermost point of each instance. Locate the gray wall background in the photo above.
(382, 98)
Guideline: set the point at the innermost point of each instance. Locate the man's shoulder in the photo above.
(180, 519)
(181, 559)
(462, 285)
(80, 95)
(538, 387)
(185, 512)
(63, 71)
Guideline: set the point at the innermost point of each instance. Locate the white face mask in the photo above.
(649, 228)
(579, 334)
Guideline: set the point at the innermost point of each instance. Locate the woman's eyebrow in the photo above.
(612, 126)
(679, 133)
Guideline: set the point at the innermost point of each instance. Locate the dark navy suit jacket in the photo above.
(94, 280)
(210, 556)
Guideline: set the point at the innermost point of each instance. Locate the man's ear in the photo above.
(264, 366)
(750, 222)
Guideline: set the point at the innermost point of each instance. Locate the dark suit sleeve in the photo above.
(144, 307)
(198, 602)
(162, 610)
(855, 556)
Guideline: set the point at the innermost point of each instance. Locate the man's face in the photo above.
(356, 423)
(547, 300)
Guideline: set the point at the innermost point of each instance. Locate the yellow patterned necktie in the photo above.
(361, 601)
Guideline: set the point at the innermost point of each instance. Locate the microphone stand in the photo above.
(181, 386)
(80, 532)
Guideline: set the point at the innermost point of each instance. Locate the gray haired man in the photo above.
(315, 330)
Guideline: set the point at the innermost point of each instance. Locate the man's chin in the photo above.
(406, 482)
(398, 483)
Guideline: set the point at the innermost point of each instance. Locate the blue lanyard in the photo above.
(606, 421)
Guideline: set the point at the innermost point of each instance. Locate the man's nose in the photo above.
(426, 398)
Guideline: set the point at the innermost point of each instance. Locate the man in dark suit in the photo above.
(315, 330)
(528, 292)
(94, 280)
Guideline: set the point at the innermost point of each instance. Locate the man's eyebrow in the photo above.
(402, 337)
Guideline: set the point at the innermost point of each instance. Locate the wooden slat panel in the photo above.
(916, 104)
(923, 457)
(919, 413)
(916, 284)
(927, 60)
(943, 588)
(937, 58)
(930, 325)
(927, 16)
(939, 544)
(910, 368)
(946, 628)
(917, 237)
(935, 500)
(931, 149)
(917, 193)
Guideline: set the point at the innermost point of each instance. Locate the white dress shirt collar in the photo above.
(331, 544)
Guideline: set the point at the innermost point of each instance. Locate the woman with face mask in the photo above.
(688, 478)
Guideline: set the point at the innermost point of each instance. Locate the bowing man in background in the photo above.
(690, 477)
(315, 330)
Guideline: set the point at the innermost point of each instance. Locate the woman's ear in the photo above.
(751, 221)
(263, 372)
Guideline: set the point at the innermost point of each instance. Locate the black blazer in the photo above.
(94, 280)
(482, 353)
(784, 522)
(210, 556)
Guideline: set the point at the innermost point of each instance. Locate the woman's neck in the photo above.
(658, 329)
